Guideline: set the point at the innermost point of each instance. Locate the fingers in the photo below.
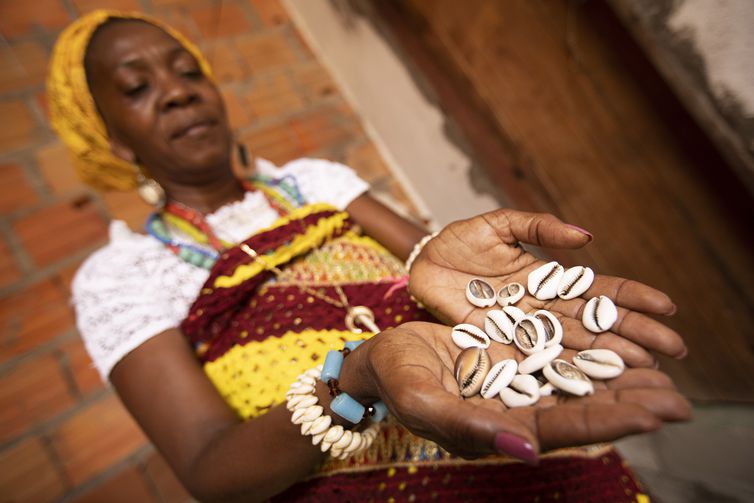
(467, 428)
(640, 333)
(578, 338)
(539, 229)
(631, 295)
(585, 422)
(638, 401)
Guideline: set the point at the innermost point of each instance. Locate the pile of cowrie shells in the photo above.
(537, 335)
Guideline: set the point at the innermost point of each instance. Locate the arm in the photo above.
(214, 453)
(394, 232)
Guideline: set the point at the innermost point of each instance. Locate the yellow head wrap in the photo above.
(73, 113)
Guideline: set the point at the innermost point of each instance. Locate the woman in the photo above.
(201, 329)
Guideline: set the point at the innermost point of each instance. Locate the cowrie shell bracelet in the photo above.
(303, 403)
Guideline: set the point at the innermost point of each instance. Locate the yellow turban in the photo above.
(73, 113)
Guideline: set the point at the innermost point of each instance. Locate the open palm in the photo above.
(487, 247)
(411, 369)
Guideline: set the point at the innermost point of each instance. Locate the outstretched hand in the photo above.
(411, 369)
(487, 247)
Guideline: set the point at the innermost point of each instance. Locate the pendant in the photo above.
(361, 315)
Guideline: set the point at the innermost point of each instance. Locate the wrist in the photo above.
(356, 378)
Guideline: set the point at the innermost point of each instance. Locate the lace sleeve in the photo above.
(128, 292)
(324, 181)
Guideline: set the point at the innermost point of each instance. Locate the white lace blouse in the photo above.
(134, 288)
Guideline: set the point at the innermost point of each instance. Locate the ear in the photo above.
(122, 151)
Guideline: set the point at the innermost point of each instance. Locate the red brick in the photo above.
(270, 12)
(314, 81)
(17, 126)
(168, 486)
(41, 100)
(60, 230)
(34, 298)
(223, 19)
(17, 18)
(238, 114)
(128, 486)
(23, 64)
(273, 95)
(36, 329)
(31, 392)
(225, 61)
(66, 274)
(323, 128)
(275, 143)
(95, 438)
(9, 270)
(80, 365)
(55, 164)
(27, 474)
(84, 6)
(127, 206)
(15, 189)
(266, 51)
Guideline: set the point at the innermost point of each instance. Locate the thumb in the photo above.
(474, 428)
(541, 229)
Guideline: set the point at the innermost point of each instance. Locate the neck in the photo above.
(209, 196)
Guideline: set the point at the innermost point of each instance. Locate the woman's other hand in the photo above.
(412, 369)
(487, 247)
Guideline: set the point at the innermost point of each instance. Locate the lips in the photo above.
(193, 128)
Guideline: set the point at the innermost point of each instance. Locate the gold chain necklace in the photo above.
(354, 314)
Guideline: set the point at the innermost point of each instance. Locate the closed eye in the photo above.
(135, 91)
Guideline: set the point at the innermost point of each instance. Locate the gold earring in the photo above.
(150, 191)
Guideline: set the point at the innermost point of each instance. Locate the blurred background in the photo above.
(631, 118)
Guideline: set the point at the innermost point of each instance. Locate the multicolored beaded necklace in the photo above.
(282, 194)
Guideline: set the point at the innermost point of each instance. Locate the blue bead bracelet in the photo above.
(342, 403)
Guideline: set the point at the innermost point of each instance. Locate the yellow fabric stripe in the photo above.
(312, 237)
(256, 376)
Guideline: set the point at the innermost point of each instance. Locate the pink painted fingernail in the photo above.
(583, 231)
(518, 447)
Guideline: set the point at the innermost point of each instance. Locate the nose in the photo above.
(176, 92)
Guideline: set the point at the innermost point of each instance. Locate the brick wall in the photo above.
(63, 435)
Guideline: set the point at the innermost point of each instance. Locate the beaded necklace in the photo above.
(286, 197)
(282, 194)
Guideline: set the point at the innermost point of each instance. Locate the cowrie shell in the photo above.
(467, 335)
(599, 363)
(343, 442)
(529, 335)
(304, 389)
(543, 281)
(510, 294)
(568, 377)
(319, 425)
(355, 443)
(538, 360)
(523, 391)
(513, 313)
(553, 328)
(575, 281)
(500, 376)
(308, 414)
(480, 293)
(498, 326)
(599, 314)
(470, 369)
(301, 402)
(547, 389)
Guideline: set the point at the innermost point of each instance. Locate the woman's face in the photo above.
(160, 110)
